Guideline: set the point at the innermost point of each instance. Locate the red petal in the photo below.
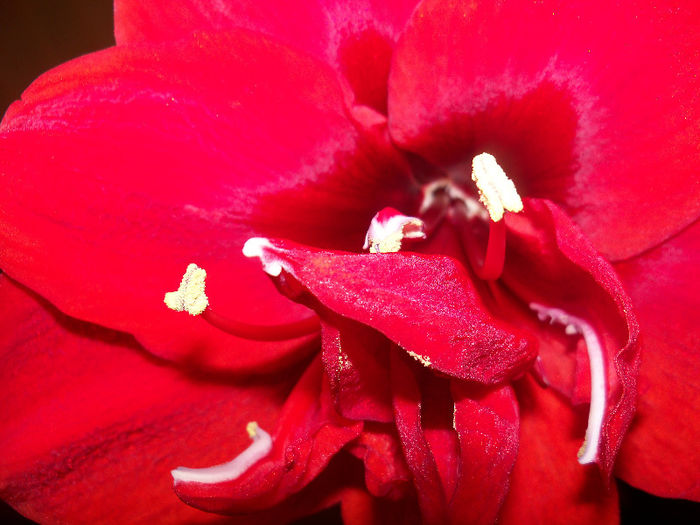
(487, 426)
(356, 360)
(308, 435)
(92, 424)
(360, 508)
(357, 37)
(122, 167)
(660, 454)
(386, 473)
(547, 484)
(553, 90)
(550, 262)
(419, 457)
(426, 304)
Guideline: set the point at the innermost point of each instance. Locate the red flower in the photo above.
(422, 379)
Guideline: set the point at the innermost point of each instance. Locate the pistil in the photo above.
(575, 325)
(191, 297)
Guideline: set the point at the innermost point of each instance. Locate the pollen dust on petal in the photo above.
(425, 361)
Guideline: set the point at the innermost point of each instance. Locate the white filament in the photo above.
(258, 449)
(596, 413)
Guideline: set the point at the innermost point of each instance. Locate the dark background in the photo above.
(36, 35)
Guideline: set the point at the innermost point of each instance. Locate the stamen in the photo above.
(389, 228)
(496, 191)
(575, 325)
(190, 296)
(258, 449)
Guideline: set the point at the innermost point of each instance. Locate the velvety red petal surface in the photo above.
(547, 484)
(355, 36)
(419, 456)
(582, 104)
(550, 262)
(122, 167)
(426, 304)
(356, 360)
(659, 454)
(306, 436)
(487, 426)
(386, 472)
(92, 424)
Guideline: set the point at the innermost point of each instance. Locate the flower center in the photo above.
(443, 198)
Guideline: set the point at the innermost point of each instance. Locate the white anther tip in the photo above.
(259, 247)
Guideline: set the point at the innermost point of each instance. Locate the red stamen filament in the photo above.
(488, 267)
(278, 332)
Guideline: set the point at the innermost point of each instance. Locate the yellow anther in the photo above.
(252, 429)
(496, 191)
(190, 297)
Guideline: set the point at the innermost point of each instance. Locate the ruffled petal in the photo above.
(356, 360)
(419, 457)
(92, 424)
(553, 90)
(425, 304)
(487, 426)
(386, 473)
(547, 484)
(122, 167)
(660, 454)
(355, 36)
(308, 434)
(550, 263)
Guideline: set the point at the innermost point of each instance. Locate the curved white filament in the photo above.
(596, 414)
(258, 449)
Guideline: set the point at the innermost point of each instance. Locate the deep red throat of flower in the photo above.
(457, 209)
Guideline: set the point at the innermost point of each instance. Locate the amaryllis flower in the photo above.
(523, 179)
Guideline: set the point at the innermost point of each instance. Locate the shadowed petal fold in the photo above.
(487, 425)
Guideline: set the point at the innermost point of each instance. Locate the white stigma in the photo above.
(389, 228)
(596, 413)
(496, 191)
(190, 296)
(258, 449)
(259, 247)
